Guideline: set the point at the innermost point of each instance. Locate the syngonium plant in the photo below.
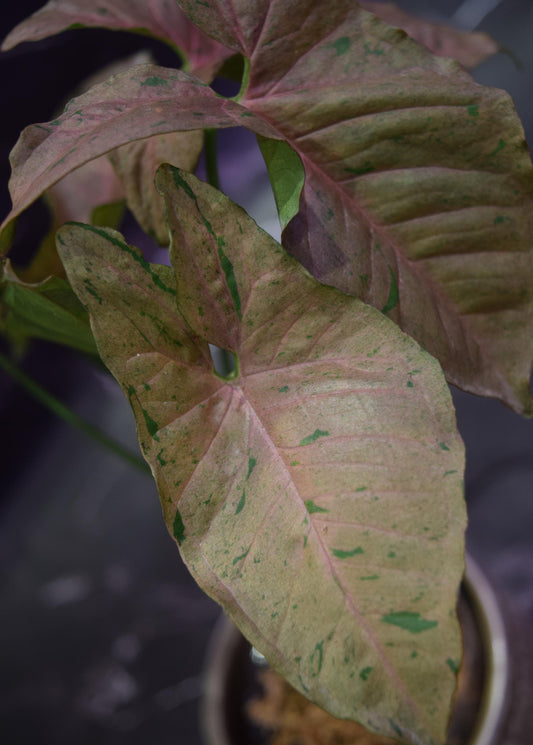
(315, 489)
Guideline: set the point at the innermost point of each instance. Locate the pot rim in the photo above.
(494, 638)
(226, 639)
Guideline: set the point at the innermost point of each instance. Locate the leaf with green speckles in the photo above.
(398, 148)
(221, 449)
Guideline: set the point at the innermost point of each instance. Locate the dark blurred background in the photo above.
(103, 631)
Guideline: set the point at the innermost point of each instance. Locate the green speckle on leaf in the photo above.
(499, 147)
(394, 295)
(395, 727)
(342, 45)
(365, 673)
(473, 110)
(252, 462)
(341, 554)
(412, 622)
(317, 658)
(453, 665)
(151, 425)
(91, 290)
(179, 528)
(227, 268)
(314, 437)
(374, 50)
(312, 507)
(239, 558)
(241, 504)
(155, 82)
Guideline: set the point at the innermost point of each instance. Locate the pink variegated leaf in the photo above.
(316, 492)
(136, 165)
(159, 18)
(130, 106)
(470, 48)
(418, 182)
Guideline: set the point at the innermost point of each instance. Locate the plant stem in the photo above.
(69, 416)
(211, 158)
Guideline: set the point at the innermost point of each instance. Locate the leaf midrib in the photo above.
(352, 609)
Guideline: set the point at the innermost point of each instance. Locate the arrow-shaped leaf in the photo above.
(316, 494)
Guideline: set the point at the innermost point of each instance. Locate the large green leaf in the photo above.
(417, 196)
(161, 19)
(317, 493)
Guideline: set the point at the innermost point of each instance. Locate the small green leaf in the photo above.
(287, 176)
(49, 310)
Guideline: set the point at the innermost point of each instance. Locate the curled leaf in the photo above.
(136, 165)
(161, 19)
(469, 48)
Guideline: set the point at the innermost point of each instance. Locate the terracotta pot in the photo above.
(479, 711)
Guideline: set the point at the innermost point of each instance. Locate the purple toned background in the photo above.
(104, 633)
